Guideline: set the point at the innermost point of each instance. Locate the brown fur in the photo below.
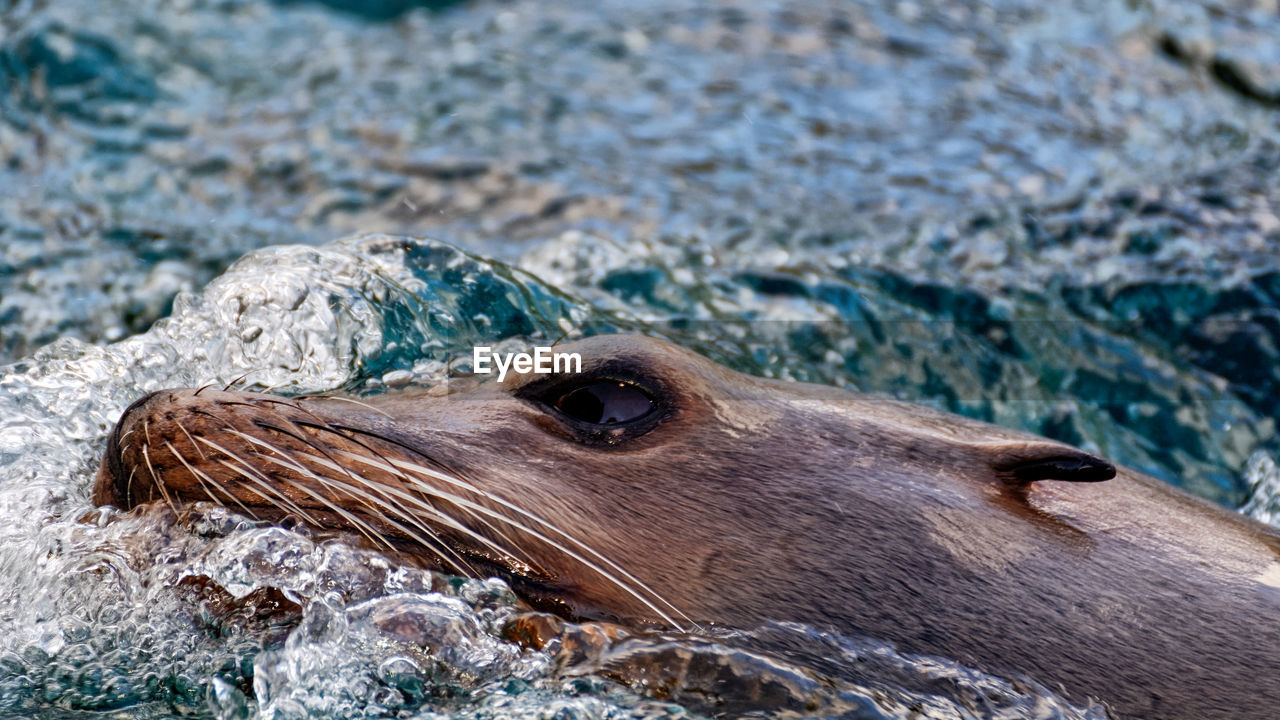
(755, 499)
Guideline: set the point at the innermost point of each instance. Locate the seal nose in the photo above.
(1028, 462)
(111, 485)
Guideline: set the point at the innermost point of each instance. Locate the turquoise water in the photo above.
(1061, 219)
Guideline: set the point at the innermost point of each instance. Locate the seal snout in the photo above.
(181, 444)
(269, 456)
(154, 451)
(111, 487)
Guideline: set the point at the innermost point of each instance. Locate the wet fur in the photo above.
(757, 500)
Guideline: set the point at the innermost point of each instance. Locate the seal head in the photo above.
(657, 487)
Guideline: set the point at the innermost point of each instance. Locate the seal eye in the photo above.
(610, 402)
(609, 408)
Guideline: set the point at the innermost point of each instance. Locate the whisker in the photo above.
(227, 387)
(382, 504)
(146, 456)
(365, 529)
(202, 477)
(128, 486)
(269, 494)
(325, 427)
(302, 438)
(248, 472)
(394, 466)
(321, 425)
(353, 401)
(436, 544)
(422, 485)
(558, 546)
(174, 451)
(433, 545)
(193, 443)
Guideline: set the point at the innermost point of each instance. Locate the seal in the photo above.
(656, 487)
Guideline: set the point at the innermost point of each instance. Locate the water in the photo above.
(149, 144)
(1057, 217)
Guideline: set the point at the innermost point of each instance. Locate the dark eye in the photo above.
(607, 402)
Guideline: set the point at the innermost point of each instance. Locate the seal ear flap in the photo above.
(1020, 463)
